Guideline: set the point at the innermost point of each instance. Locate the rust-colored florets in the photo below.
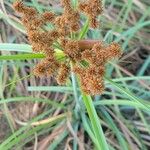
(48, 66)
(91, 76)
(40, 69)
(66, 3)
(28, 11)
(71, 16)
(72, 50)
(48, 17)
(91, 79)
(87, 56)
(114, 50)
(92, 8)
(18, 6)
(63, 74)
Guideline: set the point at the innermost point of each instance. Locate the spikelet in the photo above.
(91, 79)
(82, 73)
(49, 52)
(63, 74)
(89, 56)
(71, 49)
(18, 6)
(71, 16)
(72, 19)
(99, 49)
(63, 42)
(47, 67)
(93, 22)
(45, 39)
(48, 17)
(40, 69)
(96, 86)
(53, 34)
(28, 11)
(66, 3)
(34, 36)
(52, 66)
(78, 70)
(37, 47)
(113, 51)
(96, 71)
(60, 21)
(83, 7)
(62, 28)
(92, 8)
(32, 24)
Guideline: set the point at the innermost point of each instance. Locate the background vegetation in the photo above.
(39, 114)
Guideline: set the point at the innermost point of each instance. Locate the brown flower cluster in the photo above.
(89, 57)
(72, 50)
(70, 16)
(91, 76)
(92, 8)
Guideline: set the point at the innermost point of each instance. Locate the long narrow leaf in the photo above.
(21, 56)
(95, 121)
(61, 89)
(127, 93)
(15, 47)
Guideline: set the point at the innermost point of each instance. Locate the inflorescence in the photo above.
(87, 56)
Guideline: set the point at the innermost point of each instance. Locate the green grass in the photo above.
(116, 120)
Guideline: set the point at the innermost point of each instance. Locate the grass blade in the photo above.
(84, 30)
(32, 99)
(127, 93)
(21, 56)
(15, 47)
(95, 121)
(61, 89)
(121, 103)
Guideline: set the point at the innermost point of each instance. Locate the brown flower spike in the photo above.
(87, 56)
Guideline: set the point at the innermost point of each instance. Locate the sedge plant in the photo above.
(123, 116)
(67, 52)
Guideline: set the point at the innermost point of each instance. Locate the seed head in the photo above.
(47, 67)
(63, 74)
(53, 34)
(19, 6)
(40, 69)
(93, 22)
(71, 49)
(71, 17)
(48, 17)
(114, 51)
(89, 56)
(92, 8)
(91, 79)
(89, 60)
(72, 20)
(53, 66)
(66, 3)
